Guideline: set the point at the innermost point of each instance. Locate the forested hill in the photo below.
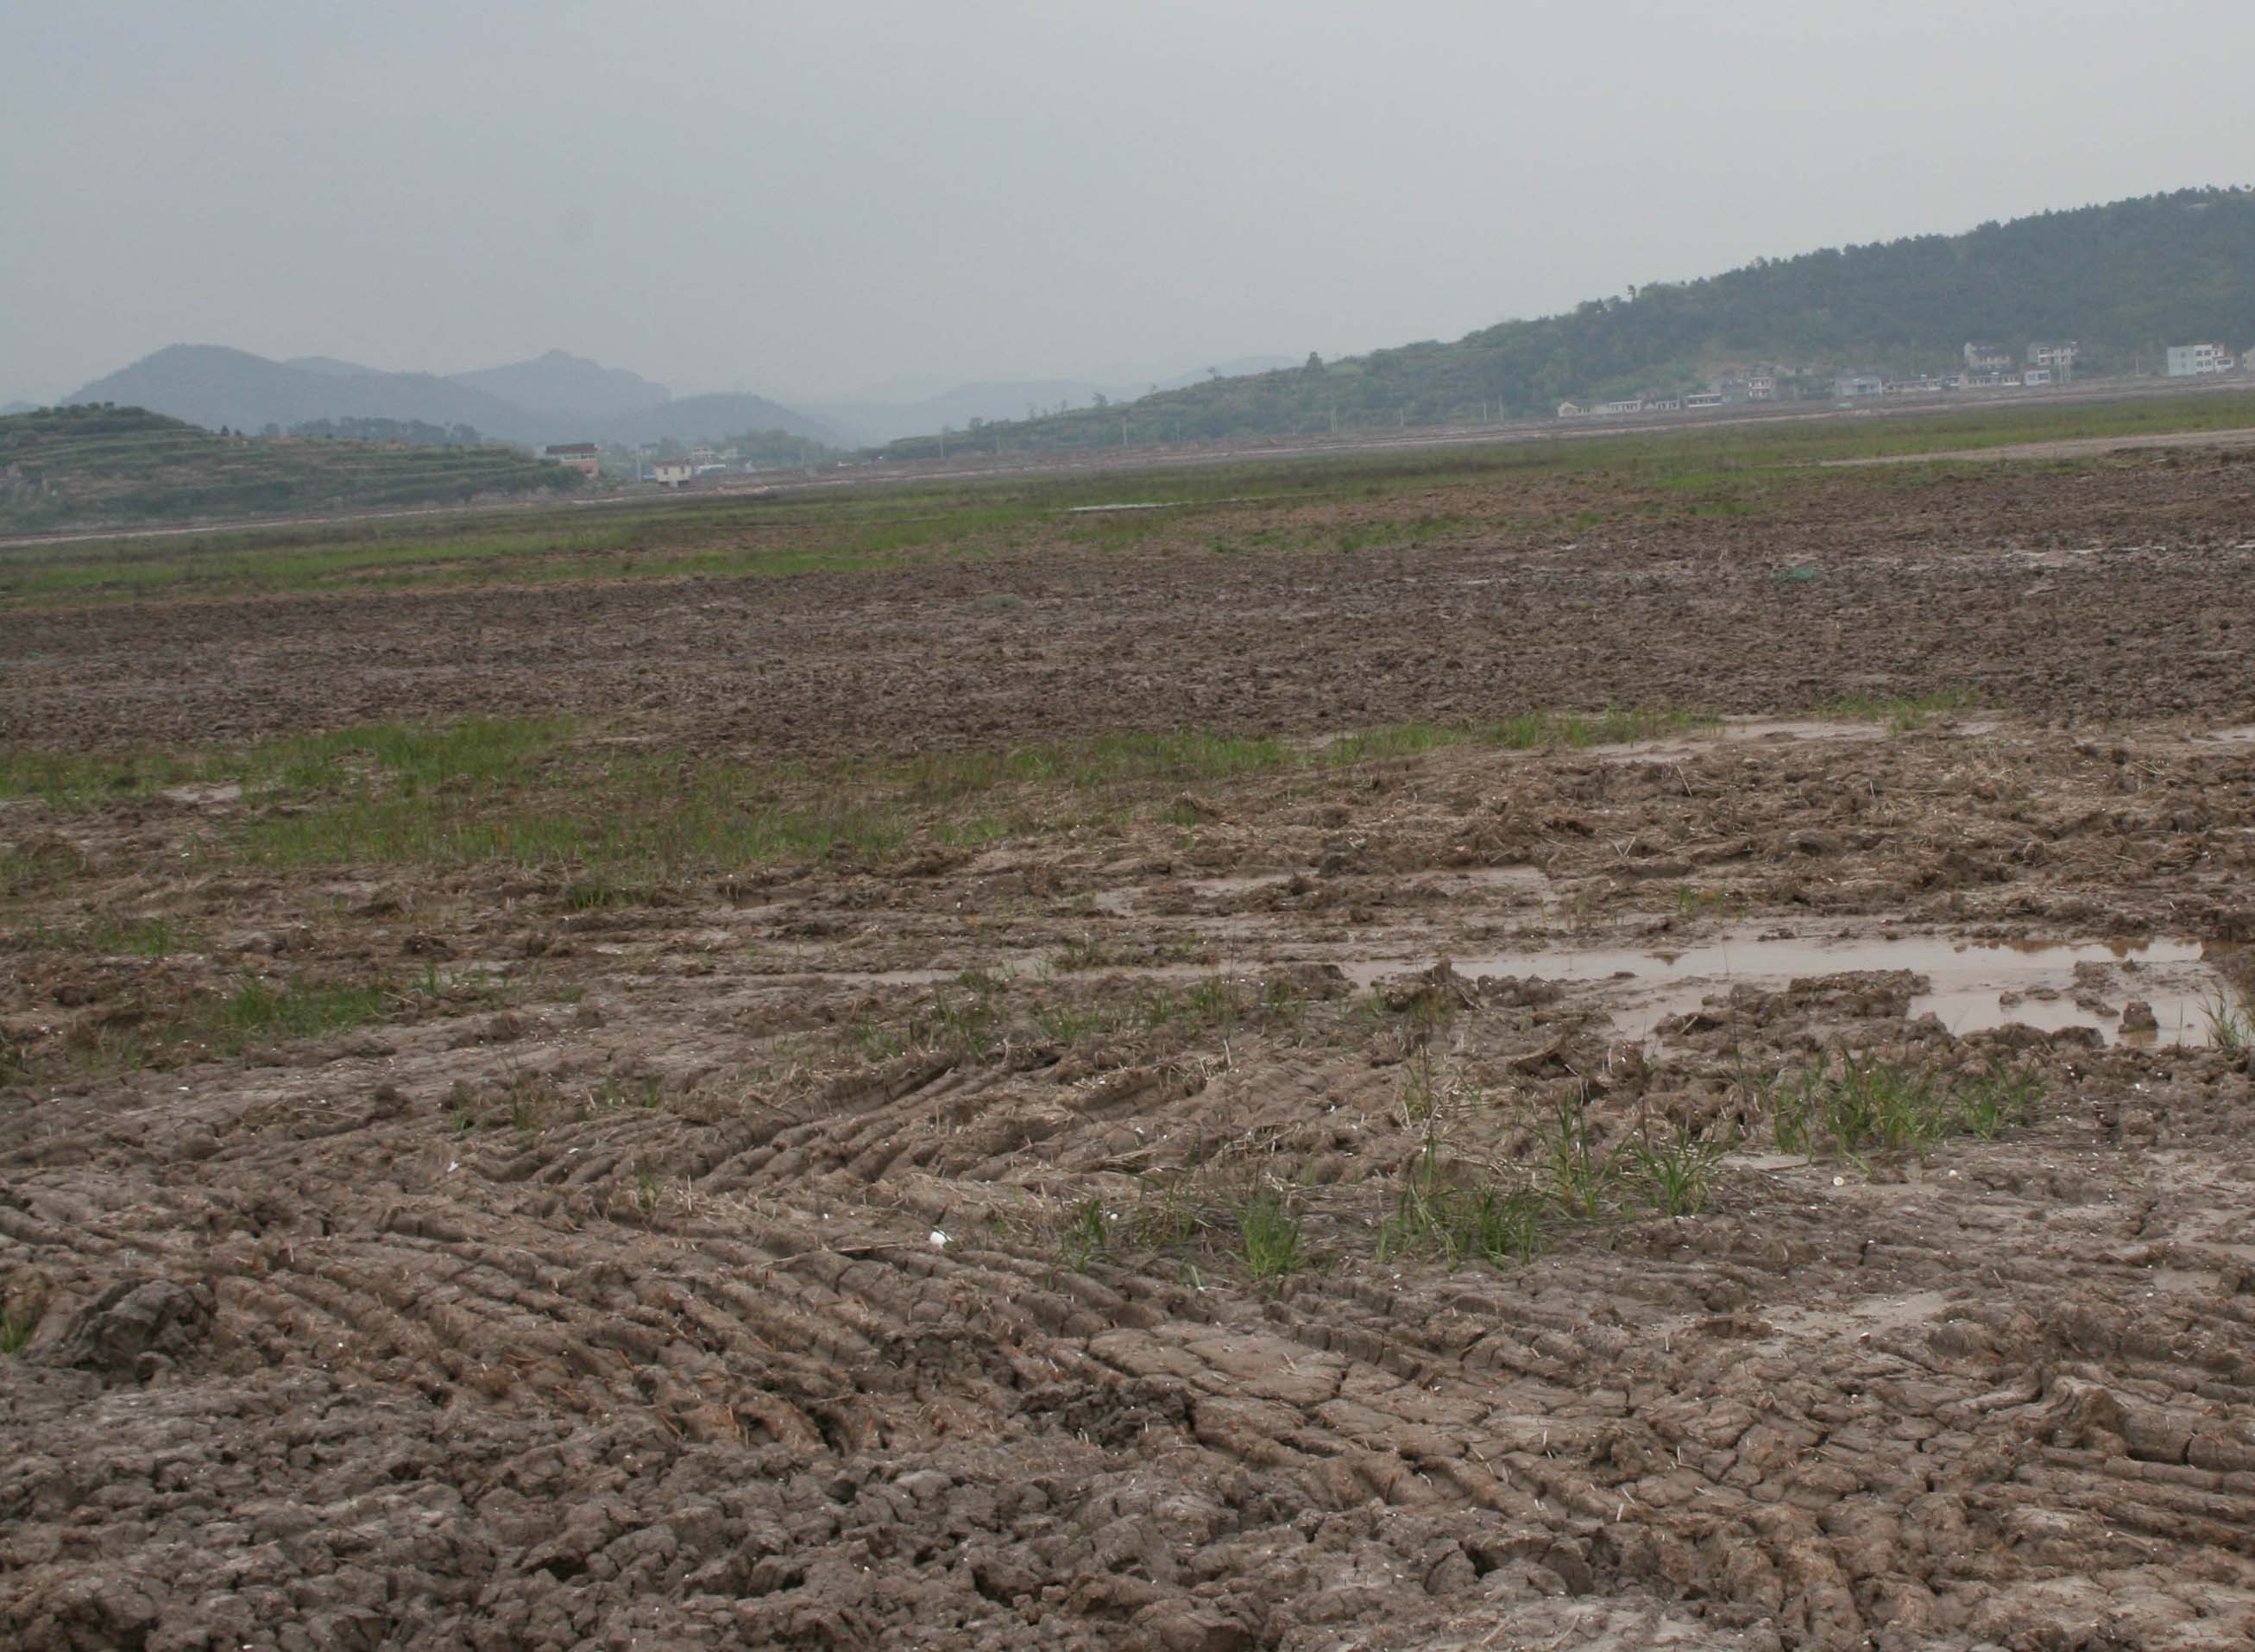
(2123, 280)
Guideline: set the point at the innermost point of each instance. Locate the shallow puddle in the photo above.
(1972, 985)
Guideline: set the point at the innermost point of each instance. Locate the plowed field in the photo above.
(1195, 1091)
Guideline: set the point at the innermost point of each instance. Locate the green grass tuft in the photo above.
(1435, 1215)
(1268, 1228)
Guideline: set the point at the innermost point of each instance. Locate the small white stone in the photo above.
(939, 1239)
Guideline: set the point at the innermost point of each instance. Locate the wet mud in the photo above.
(856, 1254)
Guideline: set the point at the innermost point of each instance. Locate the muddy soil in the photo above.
(863, 1253)
(2114, 592)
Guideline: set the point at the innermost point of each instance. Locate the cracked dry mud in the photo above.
(716, 1268)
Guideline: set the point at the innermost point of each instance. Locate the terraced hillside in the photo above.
(66, 465)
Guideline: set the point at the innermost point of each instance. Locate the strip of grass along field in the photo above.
(528, 792)
(1729, 471)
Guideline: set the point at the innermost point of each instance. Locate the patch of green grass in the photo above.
(615, 1094)
(1073, 1025)
(1401, 740)
(622, 823)
(1421, 1089)
(1213, 1003)
(1581, 1179)
(158, 937)
(961, 1024)
(1531, 730)
(1085, 1234)
(67, 779)
(1167, 1213)
(1082, 953)
(1901, 713)
(262, 1011)
(2230, 1026)
(1674, 1176)
(17, 1326)
(1847, 1106)
(414, 758)
(1268, 1228)
(1460, 1222)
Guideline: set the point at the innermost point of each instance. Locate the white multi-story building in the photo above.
(2058, 355)
(1983, 358)
(2190, 361)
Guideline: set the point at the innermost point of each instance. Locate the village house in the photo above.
(2036, 375)
(672, 473)
(1699, 401)
(584, 457)
(1852, 385)
(1572, 410)
(1987, 358)
(1632, 404)
(2056, 355)
(2190, 361)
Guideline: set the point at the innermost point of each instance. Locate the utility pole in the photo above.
(1123, 430)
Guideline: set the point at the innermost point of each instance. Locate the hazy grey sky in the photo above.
(808, 199)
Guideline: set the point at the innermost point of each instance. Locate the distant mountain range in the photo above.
(556, 398)
(561, 397)
(876, 421)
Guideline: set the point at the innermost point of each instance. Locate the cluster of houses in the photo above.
(671, 472)
(1986, 366)
(1757, 385)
